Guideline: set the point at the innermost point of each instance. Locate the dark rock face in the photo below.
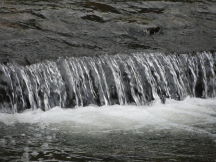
(34, 30)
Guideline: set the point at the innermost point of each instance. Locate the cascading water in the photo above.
(107, 80)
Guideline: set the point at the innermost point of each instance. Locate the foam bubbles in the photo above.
(174, 114)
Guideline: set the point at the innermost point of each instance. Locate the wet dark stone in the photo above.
(199, 88)
(93, 18)
(151, 10)
(138, 46)
(101, 7)
(153, 30)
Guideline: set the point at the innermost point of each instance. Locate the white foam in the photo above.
(179, 114)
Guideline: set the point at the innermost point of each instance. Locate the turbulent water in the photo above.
(175, 131)
(106, 80)
(118, 112)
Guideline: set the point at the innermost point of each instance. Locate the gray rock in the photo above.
(34, 30)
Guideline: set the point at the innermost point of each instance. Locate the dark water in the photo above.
(35, 144)
(177, 131)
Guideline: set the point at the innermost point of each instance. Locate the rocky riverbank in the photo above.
(34, 30)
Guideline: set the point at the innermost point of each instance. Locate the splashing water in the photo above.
(173, 114)
(107, 80)
(178, 130)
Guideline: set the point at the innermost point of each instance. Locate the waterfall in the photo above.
(138, 78)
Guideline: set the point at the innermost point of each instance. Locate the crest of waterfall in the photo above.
(106, 80)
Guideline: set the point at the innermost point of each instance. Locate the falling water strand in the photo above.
(138, 78)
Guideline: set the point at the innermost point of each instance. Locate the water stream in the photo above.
(138, 107)
(106, 80)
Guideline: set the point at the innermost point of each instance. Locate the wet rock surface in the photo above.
(34, 30)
